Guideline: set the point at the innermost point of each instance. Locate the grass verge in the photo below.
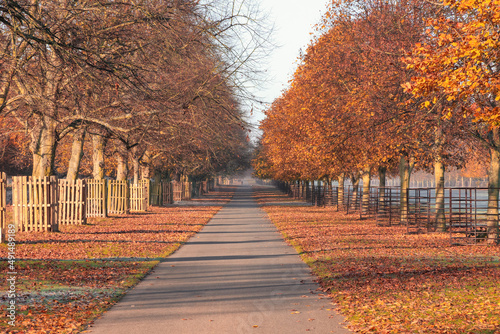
(387, 281)
(64, 280)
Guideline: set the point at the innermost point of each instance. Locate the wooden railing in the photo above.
(139, 196)
(41, 204)
(97, 198)
(161, 193)
(181, 191)
(167, 193)
(155, 193)
(72, 202)
(35, 203)
(118, 197)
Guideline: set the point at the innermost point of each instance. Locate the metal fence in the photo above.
(464, 211)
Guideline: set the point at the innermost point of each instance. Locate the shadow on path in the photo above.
(235, 276)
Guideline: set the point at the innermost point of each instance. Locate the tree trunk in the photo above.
(76, 154)
(440, 222)
(405, 169)
(313, 193)
(328, 192)
(136, 168)
(44, 146)
(98, 145)
(382, 171)
(307, 191)
(134, 157)
(35, 148)
(145, 172)
(365, 200)
(146, 165)
(439, 177)
(355, 178)
(493, 185)
(340, 197)
(122, 166)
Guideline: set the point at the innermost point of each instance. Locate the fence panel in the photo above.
(420, 205)
(155, 193)
(167, 191)
(35, 203)
(187, 191)
(468, 214)
(3, 206)
(388, 208)
(182, 191)
(177, 191)
(118, 197)
(139, 195)
(72, 202)
(96, 198)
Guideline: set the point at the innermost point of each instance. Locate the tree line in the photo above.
(123, 88)
(388, 87)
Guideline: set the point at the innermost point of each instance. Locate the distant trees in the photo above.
(153, 83)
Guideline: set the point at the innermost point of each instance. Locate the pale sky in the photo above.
(294, 21)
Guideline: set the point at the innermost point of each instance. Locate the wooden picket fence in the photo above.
(188, 191)
(155, 193)
(3, 206)
(41, 204)
(35, 203)
(167, 193)
(181, 191)
(139, 196)
(118, 197)
(97, 198)
(72, 202)
(177, 191)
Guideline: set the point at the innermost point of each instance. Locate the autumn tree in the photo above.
(347, 114)
(458, 61)
(129, 74)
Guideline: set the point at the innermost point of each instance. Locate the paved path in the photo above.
(235, 276)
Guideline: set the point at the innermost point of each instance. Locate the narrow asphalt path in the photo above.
(237, 275)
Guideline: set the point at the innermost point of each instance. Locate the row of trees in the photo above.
(391, 85)
(148, 83)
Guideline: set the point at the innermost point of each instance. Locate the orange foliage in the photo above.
(345, 109)
(459, 59)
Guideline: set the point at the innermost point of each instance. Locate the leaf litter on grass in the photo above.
(66, 279)
(387, 281)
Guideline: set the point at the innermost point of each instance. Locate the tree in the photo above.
(458, 61)
(132, 73)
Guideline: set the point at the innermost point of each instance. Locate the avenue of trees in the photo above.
(389, 86)
(128, 88)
